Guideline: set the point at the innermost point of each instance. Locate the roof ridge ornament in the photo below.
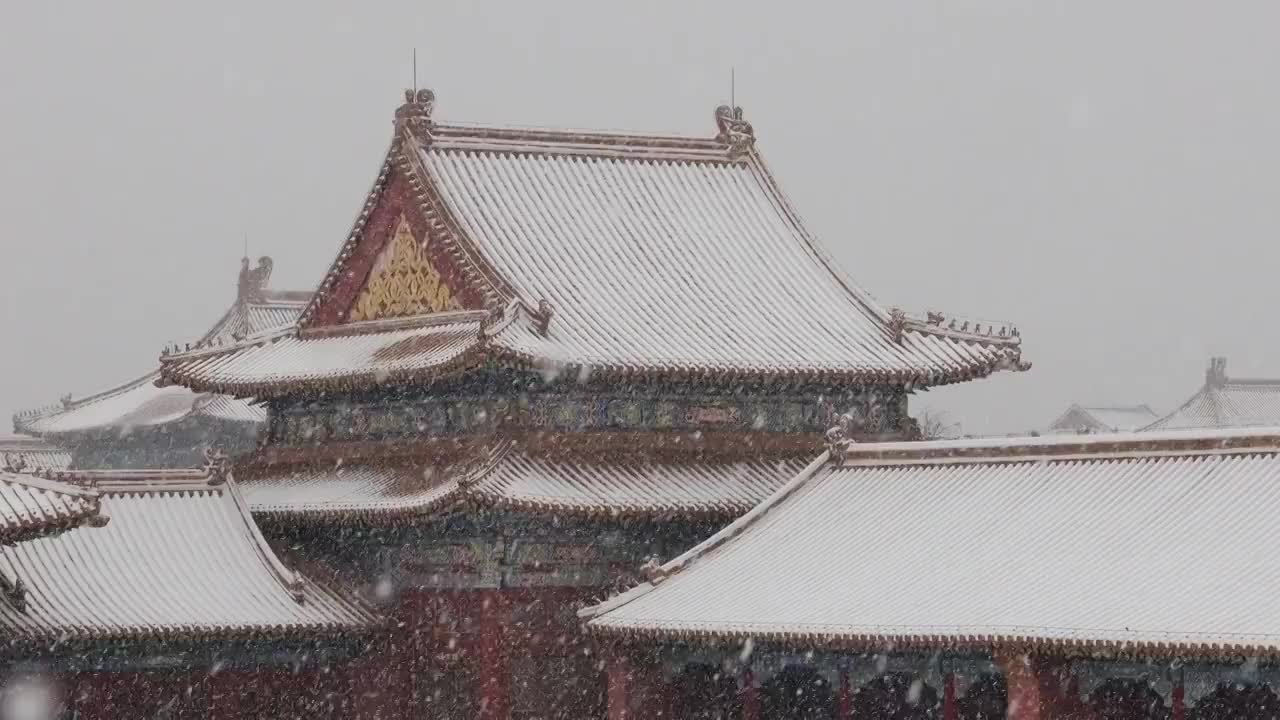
(416, 110)
(252, 286)
(1216, 375)
(897, 324)
(215, 465)
(837, 437)
(734, 130)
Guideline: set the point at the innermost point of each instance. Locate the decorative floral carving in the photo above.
(734, 130)
(403, 282)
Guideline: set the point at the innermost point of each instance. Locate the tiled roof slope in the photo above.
(32, 506)
(178, 557)
(24, 453)
(638, 253)
(1113, 418)
(1086, 543)
(1225, 402)
(504, 476)
(140, 403)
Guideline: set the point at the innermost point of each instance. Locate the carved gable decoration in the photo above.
(403, 282)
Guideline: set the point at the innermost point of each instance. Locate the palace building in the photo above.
(139, 425)
(541, 362)
(1101, 576)
(1225, 402)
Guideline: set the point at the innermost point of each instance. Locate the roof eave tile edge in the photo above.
(1133, 444)
(704, 548)
(875, 642)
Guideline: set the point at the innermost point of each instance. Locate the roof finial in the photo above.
(417, 107)
(215, 465)
(253, 283)
(1216, 375)
(733, 130)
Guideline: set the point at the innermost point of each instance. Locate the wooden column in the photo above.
(636, 688)
(949, 709)
(494, 670)
(1178, 698)
(750, 696)
(1024, 684)
(844, 710)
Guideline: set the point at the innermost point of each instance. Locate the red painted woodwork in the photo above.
(750, 696)
(396, 200)
(1024, 685)
(949, 709)
(495, 660)
(1178, 711)
(844, 709)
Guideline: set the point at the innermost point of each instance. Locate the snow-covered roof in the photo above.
(1104, 418)
(1225, 402)
(179, 556)
(629, 253)
(25, 453)
(1090, 543)
(366, 353)
(503, 475)
(31, 506)
(140, 403)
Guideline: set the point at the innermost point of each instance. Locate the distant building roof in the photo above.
(1089, 543)
(1224, 402)
(179, 556)
(625, 253)
(140, 403)
(31, 506)
(1103, 418)
(24, 453)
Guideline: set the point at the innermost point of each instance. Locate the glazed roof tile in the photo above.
(371, 353)
(177, 557)
(26, 453)
(511, 478)
(652, 254)
(32, 506)
(1101, 543)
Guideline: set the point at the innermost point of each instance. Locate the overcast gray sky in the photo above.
(1103, 174)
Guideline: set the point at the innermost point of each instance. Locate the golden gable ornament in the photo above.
(403, 282)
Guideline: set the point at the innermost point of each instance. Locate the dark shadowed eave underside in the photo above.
(1115, 544)
(179, 558)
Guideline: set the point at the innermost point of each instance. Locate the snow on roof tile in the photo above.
(32, 506)
(1091, 544)
(27, 453)
(505, 477)
(178, 556)
(371, 352)
(654, 254)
